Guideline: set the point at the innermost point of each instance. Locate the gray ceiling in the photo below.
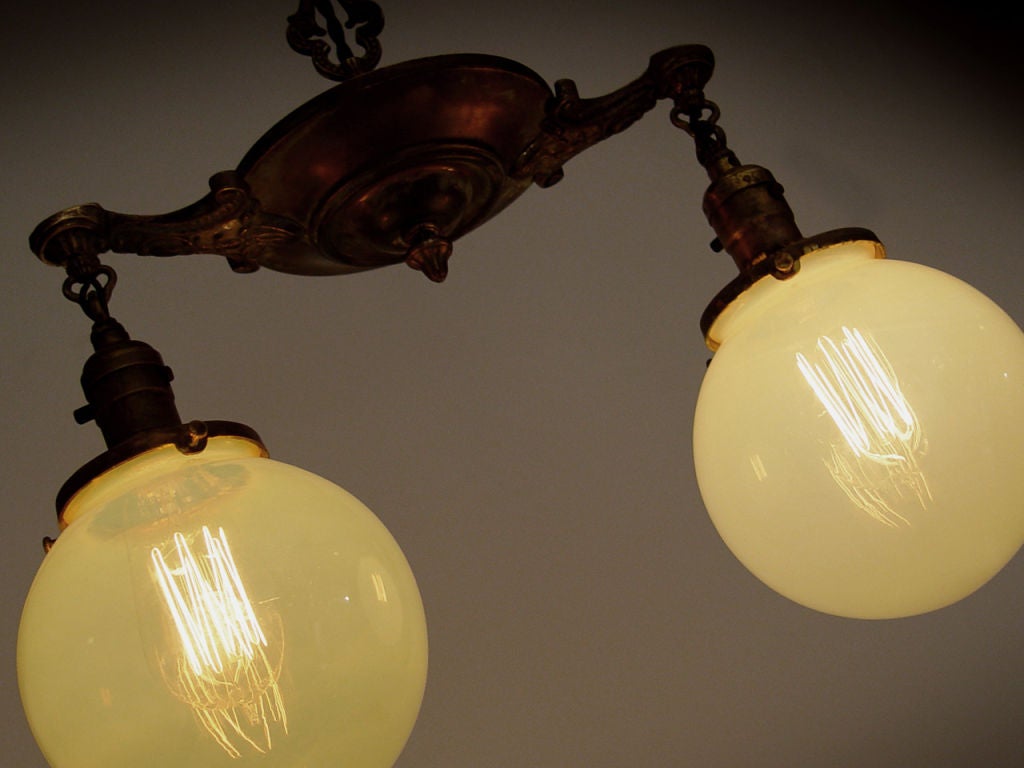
(524, 428)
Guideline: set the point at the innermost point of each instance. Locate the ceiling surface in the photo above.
(524, 428)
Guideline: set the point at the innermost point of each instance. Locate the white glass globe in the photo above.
(859, 436)
(221, 609)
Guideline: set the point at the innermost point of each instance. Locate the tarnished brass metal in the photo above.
(754, 224)
(348, 181)
(782, 263)
(126, 384)
(390, 166)
(429, 251)
(129, 395)
(363, 15)
(366, 165)
(746, 208)
(228, 222)
(573, 124)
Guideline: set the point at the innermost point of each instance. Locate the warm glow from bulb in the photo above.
(379, 588)
(859, 433)
(155, 632)
(223, 671)
(877, 456)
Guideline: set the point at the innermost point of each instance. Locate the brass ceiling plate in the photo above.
(429, 142)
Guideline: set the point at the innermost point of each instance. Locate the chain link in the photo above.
(694, 118)
(707, 135)
(91, 289)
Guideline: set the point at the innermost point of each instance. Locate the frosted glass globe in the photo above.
(859, 436)
(221, 609)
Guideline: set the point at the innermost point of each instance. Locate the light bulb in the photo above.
(217, 609)
(859, 435)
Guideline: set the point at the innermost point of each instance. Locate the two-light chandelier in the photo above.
(856, 436)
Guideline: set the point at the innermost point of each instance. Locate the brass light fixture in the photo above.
(838, 479)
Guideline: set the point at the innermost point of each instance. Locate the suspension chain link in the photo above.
(708, 136)
(89, 284)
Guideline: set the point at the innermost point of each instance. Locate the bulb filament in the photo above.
(876, 463)
(226, 667)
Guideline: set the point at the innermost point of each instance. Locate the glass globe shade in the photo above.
(203, 608)
(859, 436)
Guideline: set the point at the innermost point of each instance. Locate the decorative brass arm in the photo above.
(227, 222)
(391, 165)
(573, 124)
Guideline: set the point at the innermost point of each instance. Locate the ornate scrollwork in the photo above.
(574, 124)
(364, 16)
(227, 222)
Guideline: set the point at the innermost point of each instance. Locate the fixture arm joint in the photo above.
(573, 124)
(228, 221)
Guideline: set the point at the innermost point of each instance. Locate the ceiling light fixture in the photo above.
(856, 437)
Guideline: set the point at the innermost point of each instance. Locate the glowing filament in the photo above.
(378, 587)
(226, 668)
(876, 462)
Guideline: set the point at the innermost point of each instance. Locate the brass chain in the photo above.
(708, 136)
(89, 284)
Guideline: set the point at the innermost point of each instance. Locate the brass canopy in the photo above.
(369, 164)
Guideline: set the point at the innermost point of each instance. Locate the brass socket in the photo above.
(749, 214)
